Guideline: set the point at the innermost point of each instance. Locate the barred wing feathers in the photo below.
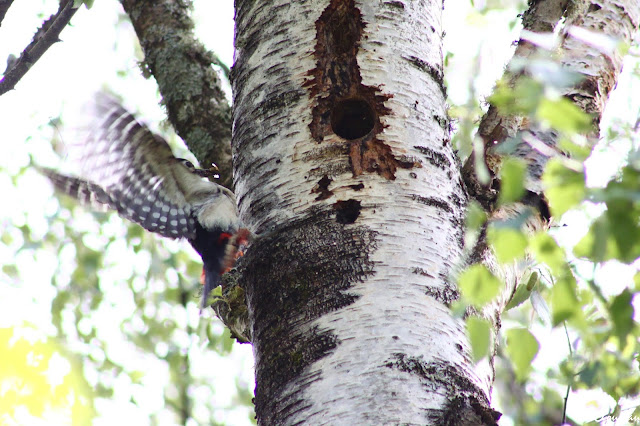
(134, 172)
(85, 192)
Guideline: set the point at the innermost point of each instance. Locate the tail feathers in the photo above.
(85, 192)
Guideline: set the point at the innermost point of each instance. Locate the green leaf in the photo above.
(137, 376)
(565, 187)
(523, 292)
(478, 285)
(512, 176)
(564, 301)
(522, 348)
(482, 172)
(476, 216)
(547, 251)
(590, 373)
(621, 312)
(623, 217)
(10, 270)
(509, 244)
(564, 115)
(594, 245)
(479, 336)
(522, 99)
(226, 342)
(576, 151)
(614, 235)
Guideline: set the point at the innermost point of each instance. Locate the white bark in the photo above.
(391, 352)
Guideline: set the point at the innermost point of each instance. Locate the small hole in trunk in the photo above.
(352, 119)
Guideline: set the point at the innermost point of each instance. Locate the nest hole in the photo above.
(352, 119)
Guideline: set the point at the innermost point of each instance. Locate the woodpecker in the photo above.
(126, 167)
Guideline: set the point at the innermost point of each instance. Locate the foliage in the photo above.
(602, 337)
(37, 376)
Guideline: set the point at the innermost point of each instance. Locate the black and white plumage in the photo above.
(127, 168)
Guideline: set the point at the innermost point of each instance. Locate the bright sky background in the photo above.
(94, 49)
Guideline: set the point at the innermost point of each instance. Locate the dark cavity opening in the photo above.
(352, 119)
(347, 211)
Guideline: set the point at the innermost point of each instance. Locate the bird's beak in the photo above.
(207, 173)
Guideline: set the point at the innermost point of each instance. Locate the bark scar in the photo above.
(342, 104)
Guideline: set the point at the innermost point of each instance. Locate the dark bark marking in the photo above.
(343, 105)
(468, 404)
(331, 169)
(443, 122)
(481, 247)
(435, 72)
(280, 101)
(437, 159)
(457, 220)
(397, 4)
(293, 276)
(594, 8)
(322, 189)
(347, 211)
(433, 202)
(327, 152)
(444, 295)
(420, 271)
(409, 162)
(357, 187)
(538, 202)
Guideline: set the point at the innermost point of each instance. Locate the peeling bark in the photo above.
(343, 105)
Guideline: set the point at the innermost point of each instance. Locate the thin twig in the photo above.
(566, 396)
(43, 39)
(564, 406)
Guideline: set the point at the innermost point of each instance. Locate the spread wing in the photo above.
(130, 169)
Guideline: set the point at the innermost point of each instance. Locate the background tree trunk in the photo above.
(345, 170)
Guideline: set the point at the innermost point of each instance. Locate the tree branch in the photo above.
(496, 126)
(42, 40)
(4, 6)
(190, 88)
(599, 72)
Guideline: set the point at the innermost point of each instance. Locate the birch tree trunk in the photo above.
(345, 170)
